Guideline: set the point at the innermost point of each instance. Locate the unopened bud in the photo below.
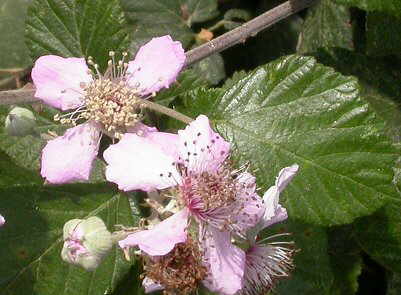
(20, 122)
(86, 242)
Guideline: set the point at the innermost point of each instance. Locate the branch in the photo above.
(249, 29)
(17, 96)
(167, 111)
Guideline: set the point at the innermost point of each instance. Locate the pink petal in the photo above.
(140, 162)
(162, 238)
(156, 65)
(2, 220)
(141, 129)
(225, 261)
(58, 80)
(201, 148)
(151, 286)
(69, 157)
(251, 204)
(285, 176)
(274, 212)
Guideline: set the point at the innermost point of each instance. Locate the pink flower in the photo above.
(266, 263)
(2, 220)
(111, 101)
(223, 202)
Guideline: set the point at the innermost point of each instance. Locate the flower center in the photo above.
(112, 103)
(108, 99)
(180, 271)
(208, 191)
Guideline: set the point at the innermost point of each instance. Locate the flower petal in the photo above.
(250, 203)
(201, 148)
(142, 162)
(226, 262)
(2, 220)
(151, 286)
(69, 157)
(156, 65)
(58, 80)
(162, 238)
(285, 176)
(273, 211)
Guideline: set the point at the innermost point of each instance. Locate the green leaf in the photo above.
(379, 79)
(389, 6)
(326, 25)
(380, 235)
(14, 53)
(14, 175)
(313, 274)
(31, 240)
(295, 110)
(382, 34)
(187, 80)
(79, 28)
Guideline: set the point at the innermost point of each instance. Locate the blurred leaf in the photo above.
(383, 34)
(394, 285)
(380, 235)
(200, 10)
(154, 18)
(295, 110)
(211, 68)
(389, 6)
(32, 239)
(235, 17)
(14, 53)
(276, 41)
(79, 28)
(326, 25)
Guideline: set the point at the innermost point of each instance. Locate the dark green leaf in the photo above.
(294, 110)
(380, 235)
(79, 28)
(383, 34)
(31, 240)
(187, 80)
(379, 80)
(156, 18)
(313, 274)
(389, 6)
(326, 25)
(200, 10)
(394, 285)
(346, 261)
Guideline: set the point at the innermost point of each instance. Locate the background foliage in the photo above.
(321, 88)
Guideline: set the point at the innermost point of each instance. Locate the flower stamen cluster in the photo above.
(180, 271)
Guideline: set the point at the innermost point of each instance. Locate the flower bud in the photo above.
(86, 242)
(20, 122)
